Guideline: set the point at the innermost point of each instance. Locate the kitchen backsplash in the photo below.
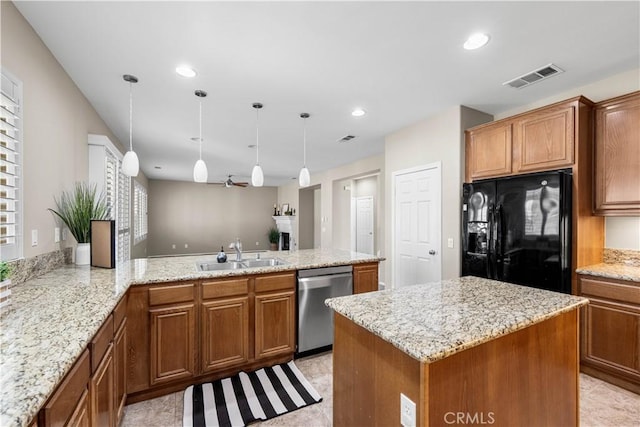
(622, 256)
(28, 268)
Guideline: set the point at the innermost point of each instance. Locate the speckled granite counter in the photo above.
(54, 317)
(612, 271)
(432, 321)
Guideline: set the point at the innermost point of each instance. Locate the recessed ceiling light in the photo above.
(358, 112)
(475, 41)
(186, 71)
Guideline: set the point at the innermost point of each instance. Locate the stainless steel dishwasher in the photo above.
(315, 320)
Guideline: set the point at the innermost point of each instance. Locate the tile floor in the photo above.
(601, 404)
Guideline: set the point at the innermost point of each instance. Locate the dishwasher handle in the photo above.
(316, 282)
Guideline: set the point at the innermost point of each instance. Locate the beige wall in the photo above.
(620, 232)
(206, 216)
(306, 218)
(435, 139)
(56, 121)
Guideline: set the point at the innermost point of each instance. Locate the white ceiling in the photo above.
(400, 61)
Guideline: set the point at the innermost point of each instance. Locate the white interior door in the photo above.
(417, 225)
(364, 225)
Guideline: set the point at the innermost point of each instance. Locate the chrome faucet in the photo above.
(237, 245)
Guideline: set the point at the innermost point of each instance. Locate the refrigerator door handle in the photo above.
(498, 243)
(491, 243)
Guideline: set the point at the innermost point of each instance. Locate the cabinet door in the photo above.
(81, 414)
(172, 343)
(544, 140)
(224, 333)
(274, 324)
(365, 278)
(120, 368)
(488, 151)
(103, 392)
(617, 156)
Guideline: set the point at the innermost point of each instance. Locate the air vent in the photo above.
(346, 138)
(534, 76)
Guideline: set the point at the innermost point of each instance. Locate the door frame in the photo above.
(394, 175)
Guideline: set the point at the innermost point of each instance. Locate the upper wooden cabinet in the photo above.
(540, 140)
(617, 156)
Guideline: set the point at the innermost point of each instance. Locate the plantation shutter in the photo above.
(139, 212)
(123, 220)
(10, 169)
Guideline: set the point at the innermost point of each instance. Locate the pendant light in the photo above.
(130, 164)
(257, 177)
(304, 179)
(200, 173)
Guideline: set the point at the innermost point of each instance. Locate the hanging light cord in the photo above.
(257, 136)
(130, 117)
(304, 138)
(200, 130)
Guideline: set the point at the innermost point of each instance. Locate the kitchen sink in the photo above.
(216, 266)
(236, 265)
(265, 262)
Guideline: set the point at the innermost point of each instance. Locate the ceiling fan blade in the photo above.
(240, 184)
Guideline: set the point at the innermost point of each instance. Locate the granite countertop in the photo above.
(612, 271)
(54, 317)
(432, 321)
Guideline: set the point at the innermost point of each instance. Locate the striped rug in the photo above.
(248, 397)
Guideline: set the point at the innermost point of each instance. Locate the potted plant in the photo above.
(76, 209)
(5, 282)
(274, 238)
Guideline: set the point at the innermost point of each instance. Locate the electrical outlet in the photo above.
(56, 235)
(186, 245)
(407, 411)
(34, 237)
(450, 242)
(173, 246)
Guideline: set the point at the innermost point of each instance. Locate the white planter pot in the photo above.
(83, 254)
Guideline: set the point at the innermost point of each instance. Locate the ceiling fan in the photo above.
(230, 183)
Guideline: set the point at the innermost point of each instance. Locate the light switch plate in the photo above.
(56, 235)
(450, 242)
(407, 411)
(34, 237)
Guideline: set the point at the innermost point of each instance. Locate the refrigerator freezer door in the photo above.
(531, 239)
(477, 211)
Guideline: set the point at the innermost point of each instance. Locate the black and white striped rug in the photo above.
(248, 397)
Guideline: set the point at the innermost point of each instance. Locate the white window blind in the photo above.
(117, 195)
(139, 212)
(10, 168)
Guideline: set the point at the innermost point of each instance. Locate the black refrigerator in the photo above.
(518, 230)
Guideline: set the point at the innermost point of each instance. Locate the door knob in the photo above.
(432, 252)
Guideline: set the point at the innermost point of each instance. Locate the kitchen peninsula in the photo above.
(61, 340)
(466, 351)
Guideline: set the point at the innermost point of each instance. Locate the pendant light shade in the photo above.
(257, 176)
(130, 163)
(200, 173)
(305, 178)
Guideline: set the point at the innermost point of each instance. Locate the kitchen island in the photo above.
(56, 320)
(465, 351)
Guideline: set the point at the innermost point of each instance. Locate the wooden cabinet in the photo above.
(489, 151)
(120, 360)
(610, 325)
(617, 156)
(274, 315)
(540, 140)
(103, 392)
(172, 335)
(81, 415)
(365, 277)
(224, 331)
(67, 402)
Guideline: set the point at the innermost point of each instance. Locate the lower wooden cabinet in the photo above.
(81, 415)
(365, 278)
(120, 370)
(224, 332)
(275, 324)
(103, 392)
(610, 326)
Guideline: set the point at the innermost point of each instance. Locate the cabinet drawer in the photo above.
(120, 312)
(225, 288)
(275, 282)
(171, 294)
(100, 342)
(60, 407)
(621, 291)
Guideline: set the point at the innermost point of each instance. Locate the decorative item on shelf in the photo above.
(305, 178)
(76, 209)
(130, 164)
(275, 210)
(285, 208)
(274, 238)
(5, 290)
(257, 176)
(200, 173)
(222, 257)
(294, 213)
